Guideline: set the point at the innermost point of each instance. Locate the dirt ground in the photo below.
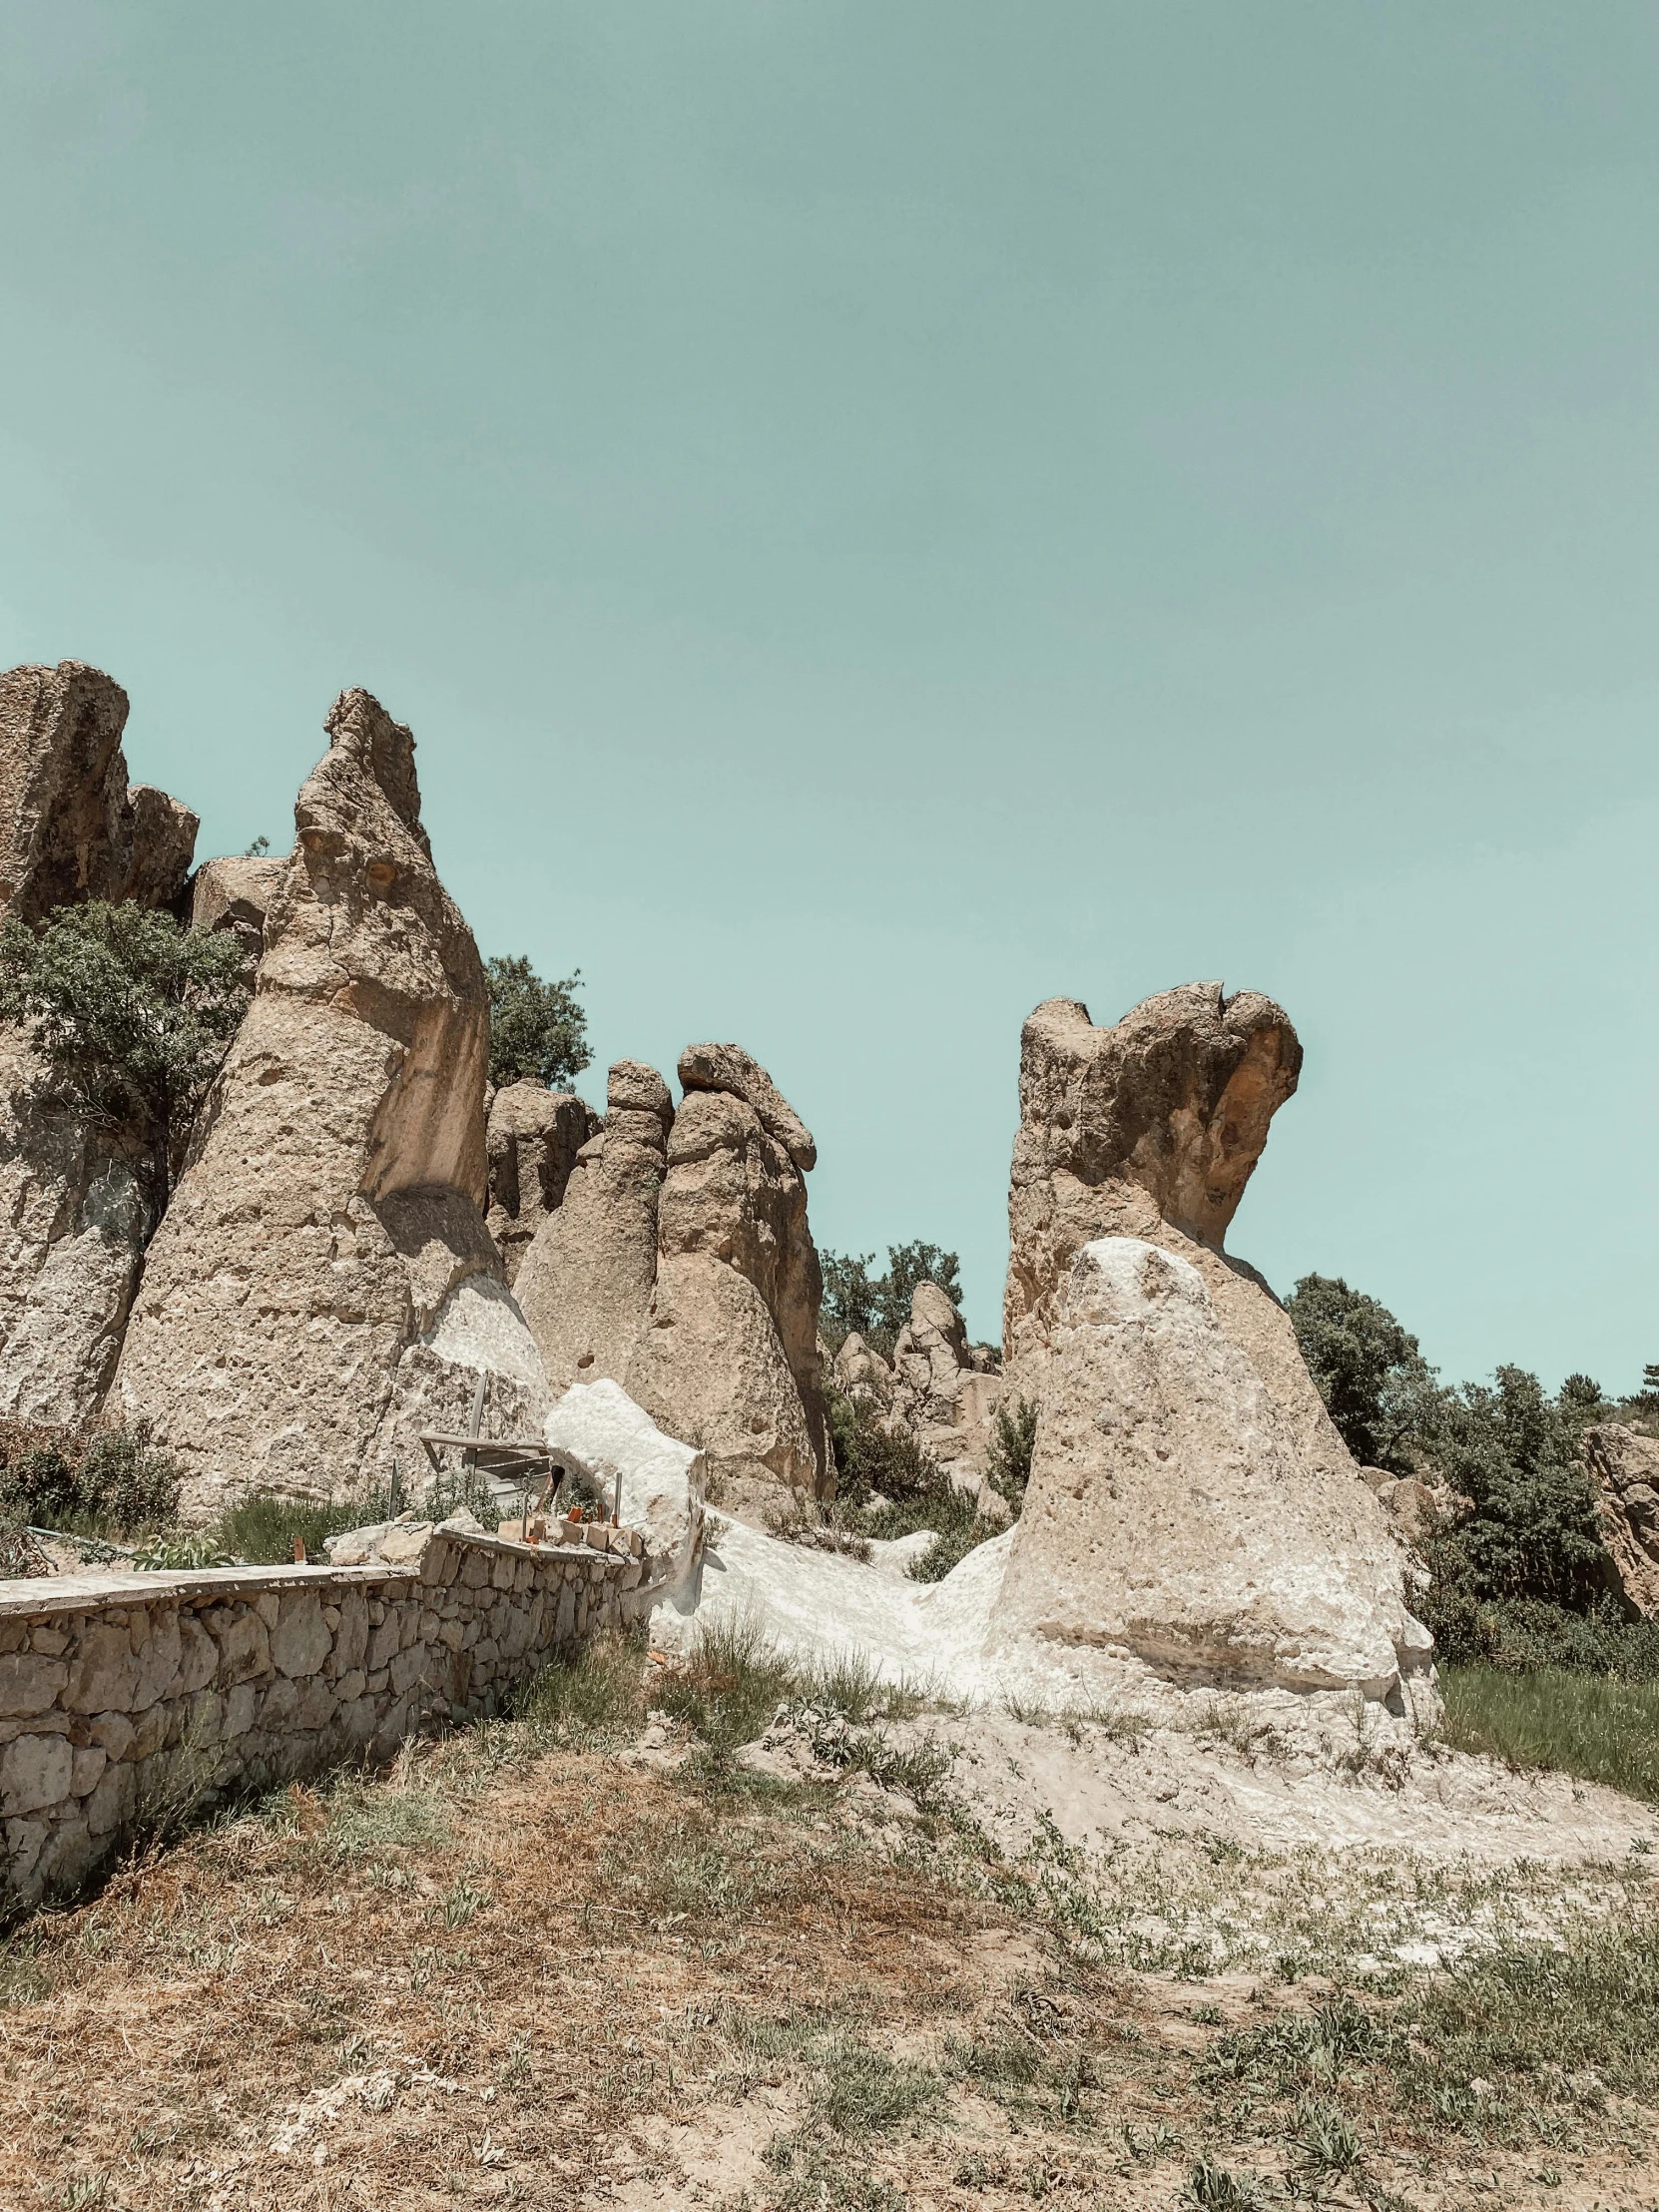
(507, 1974)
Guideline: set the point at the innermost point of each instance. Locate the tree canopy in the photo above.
(538, 1030)
(132, 1013)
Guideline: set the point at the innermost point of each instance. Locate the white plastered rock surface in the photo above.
(597, 1430)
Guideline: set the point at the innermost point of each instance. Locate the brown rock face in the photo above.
(585, 1282)
(324, 1286)
(1623, 1465)
(75, 1219)
(680, 1263)
(70, 827)
(1151, 1128)
(533, 1136)
(235, 895)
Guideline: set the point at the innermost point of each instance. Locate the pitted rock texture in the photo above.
(1623, 1466)
(1172, 1515)
(681, 1265)
(1151, 1129)
(76, 1220)
(859, 1367)
(235, 895)
(533, 1136)
(71, 828)
(586, 1279)
(729, 1358)
(322, 1286)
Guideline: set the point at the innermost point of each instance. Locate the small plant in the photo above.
(111, 1482)
(1008, 1454)
(1222, 2190)
(862, 2091)
(1326, 2141)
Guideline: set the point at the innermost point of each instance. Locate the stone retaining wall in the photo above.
(127, 1700)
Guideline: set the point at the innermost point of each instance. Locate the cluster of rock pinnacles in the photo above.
(361, 1229)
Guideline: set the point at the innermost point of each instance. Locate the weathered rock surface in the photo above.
(597, 1431)
(533, 1136)
(586, 1278)
(1623, 1466)
(680, 1264)
(235, 895)
(1151, 1129)
(1173, 1513)
(857, 1367)
(324, 1286)
(74, 1212)
(70, 827)
(728, 1356)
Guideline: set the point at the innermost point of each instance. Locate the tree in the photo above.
(1517, 1455)
(133, 1014)
(878, 1306)
(538, 1032)
(1376, 1386)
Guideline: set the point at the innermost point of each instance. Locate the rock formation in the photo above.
(597, 1432)
(585, 1282)
(1151, 1129)
(533, 1136)
(1623, 1466)
(680, 1263)
(71, 829)
(322, 1286)
(235, 895)
(1173, 1513)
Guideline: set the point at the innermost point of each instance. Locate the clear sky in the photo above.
(880, 514)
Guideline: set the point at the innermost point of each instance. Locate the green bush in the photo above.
(112, 1482)
(1009, 1455)
(132, 1013)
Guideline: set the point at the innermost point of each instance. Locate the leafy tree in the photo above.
(1516, 1454)
(878, 1306)
(1376, 1386)
(538, 1030)
(132, 1013)
(1013, 1439)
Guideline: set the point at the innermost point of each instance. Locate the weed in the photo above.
(367, 1817)
(1326, 2141)
(1230, 1721)
(817, 2177)
(862, 2091)
(728, 1687)
(594, 1694)
(1222, 2190)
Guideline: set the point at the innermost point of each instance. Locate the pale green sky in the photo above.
(881, 514)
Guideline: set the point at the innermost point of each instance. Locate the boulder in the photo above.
(729, 1359)
(323, 1287)
(73, 1203)
(929, 1359)
(586, 1276)
(533, 1136)
(1173, 1515)
(1623, 1466)
(1150, 1129)
(857, 1367)
(235, 895)
(597, 1431)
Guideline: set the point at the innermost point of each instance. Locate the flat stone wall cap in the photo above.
(41, 1595)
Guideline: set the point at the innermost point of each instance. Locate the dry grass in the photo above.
(522, 1971)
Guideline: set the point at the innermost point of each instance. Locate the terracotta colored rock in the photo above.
(323, 1287)
(586, 1278)
(1172, 1514)
(533, 1136)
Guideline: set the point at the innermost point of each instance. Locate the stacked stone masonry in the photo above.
(127, 1703)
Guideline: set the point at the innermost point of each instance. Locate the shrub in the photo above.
(1009, 1455)
(112, 1482)
(1375, 1383)
(132, 1013)
(537, 1029)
